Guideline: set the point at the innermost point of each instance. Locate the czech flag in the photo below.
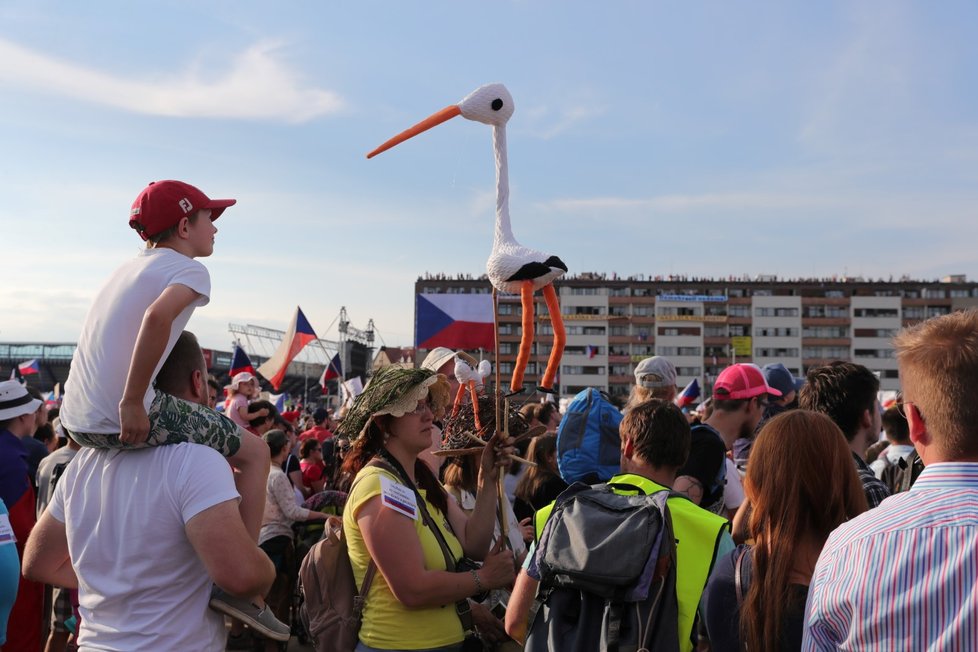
(300, 333)
(590, 351)
(278, 400)
(241, 362)
(29, 367)
(689, 394)
(455, 321)
(333, 370)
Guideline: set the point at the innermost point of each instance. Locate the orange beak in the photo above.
(433, 120)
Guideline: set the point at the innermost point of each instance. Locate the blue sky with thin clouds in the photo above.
(706, 139)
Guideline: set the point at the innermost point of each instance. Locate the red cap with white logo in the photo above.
(162, 204)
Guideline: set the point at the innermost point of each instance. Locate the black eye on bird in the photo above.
(497, 104)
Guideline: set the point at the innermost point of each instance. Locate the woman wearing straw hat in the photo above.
(400, 520)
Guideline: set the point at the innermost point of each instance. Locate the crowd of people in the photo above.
(782, 513)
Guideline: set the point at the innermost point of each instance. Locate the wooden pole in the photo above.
(500, 487)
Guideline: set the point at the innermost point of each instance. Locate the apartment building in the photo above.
(704, 325)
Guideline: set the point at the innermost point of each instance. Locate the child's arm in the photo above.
(245, 412)
(150, 344)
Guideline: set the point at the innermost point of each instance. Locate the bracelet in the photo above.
(478, 584)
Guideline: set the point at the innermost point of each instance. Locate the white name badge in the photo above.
(398, 497)
(6, 531)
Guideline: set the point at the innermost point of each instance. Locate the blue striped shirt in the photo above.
(903, 576)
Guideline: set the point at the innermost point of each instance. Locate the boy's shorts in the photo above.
(173, 420)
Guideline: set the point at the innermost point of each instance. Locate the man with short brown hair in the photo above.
(847, 392)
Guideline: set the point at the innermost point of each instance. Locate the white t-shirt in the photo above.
(141, 584)
(733, 488)
(100, 365)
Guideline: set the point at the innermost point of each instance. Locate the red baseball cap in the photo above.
(741, 381)
(162, 204)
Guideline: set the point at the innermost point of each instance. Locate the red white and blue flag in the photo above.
(300, 333)
(455, 321)
(590, 351)
(29, 367)
(241, 362)
(690, 393)
(333, 370)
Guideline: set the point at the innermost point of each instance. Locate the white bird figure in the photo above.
(470, 376)
(512, 268)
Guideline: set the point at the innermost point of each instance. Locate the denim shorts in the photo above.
(173, 420)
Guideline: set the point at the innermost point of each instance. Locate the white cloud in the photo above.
(258, 84)
(681, 203)
(545, 122)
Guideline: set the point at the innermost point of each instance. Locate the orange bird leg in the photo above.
(560, 337)
(526, 297)
(458, 400)
(475, 404)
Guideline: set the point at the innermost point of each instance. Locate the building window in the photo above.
(776, 312)
(875, 312)
(738, 311)
(770, 331)
(826, 352)
(583, 310)
(688, 371)
(671, 331)
(834, 312)
(776, 353)
(825, 331)
(874, 332)
(873, 353)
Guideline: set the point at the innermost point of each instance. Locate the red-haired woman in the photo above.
(801, 485)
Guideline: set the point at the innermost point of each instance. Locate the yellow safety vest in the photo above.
(697, 533)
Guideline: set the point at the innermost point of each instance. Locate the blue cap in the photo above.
(778, 377)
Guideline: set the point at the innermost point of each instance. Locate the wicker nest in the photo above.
(454, 440)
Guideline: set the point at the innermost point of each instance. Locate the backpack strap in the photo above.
(360, 600)
(462, 607)
(739, 587)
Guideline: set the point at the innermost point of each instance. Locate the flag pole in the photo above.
(504, 406)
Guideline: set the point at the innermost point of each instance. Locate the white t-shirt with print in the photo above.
(141, 584)
(100, 364)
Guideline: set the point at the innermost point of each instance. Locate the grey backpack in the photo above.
(608, 574)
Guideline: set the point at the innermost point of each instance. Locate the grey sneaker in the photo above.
(260, 620)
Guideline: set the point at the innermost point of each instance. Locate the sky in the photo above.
(705, 139)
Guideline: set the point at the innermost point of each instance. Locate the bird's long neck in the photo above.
(504, 231)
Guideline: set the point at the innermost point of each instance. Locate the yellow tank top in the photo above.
(386, 622)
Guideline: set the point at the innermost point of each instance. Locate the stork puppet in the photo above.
(512, 268)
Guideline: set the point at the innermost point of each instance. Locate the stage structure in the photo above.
(354, 346)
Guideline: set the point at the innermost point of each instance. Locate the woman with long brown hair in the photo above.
(400, 521)
(801, 484)
(541, 484)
